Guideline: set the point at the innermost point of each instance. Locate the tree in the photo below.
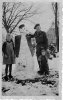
(14, 13)
(55, 9)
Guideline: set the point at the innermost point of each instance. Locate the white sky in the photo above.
(45, 18)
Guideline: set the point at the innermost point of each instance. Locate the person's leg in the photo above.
(44, 65)
(47, 66)
(10, 70)
(46, 69)
(6, 70)
(42, 68)
(45, 62)
(38, 50)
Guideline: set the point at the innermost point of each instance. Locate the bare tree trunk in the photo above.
(56, 26)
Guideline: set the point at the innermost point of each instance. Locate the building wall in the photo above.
(51, 36)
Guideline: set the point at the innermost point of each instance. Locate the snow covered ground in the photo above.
(38, 86)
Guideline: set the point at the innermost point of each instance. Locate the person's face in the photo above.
(8, 38)
(43, 52)
(22, 29)
(38, 28)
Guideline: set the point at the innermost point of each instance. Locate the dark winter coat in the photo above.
(8, 52)
(41, 40)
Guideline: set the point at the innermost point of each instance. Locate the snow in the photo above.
(50, 87)
(36, 89)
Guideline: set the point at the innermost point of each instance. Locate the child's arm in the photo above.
(39, 58)
(4, 48)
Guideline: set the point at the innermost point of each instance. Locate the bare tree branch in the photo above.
(10, 13)
(14, 13)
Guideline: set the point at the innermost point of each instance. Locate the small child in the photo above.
(8, 55)
(43, 64)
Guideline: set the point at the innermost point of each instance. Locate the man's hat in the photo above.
(21, 26)
(36, 26)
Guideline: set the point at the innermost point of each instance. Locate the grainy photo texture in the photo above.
(30, 48)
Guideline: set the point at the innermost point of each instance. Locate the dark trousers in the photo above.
(10, 69)
(43, 65)
(38, 50)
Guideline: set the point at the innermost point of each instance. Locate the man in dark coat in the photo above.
(41, 40)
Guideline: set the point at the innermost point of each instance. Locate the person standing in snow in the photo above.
(41, 40)
(44, 68)
(8, 55)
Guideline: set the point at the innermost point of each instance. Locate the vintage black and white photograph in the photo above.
(30, 48)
